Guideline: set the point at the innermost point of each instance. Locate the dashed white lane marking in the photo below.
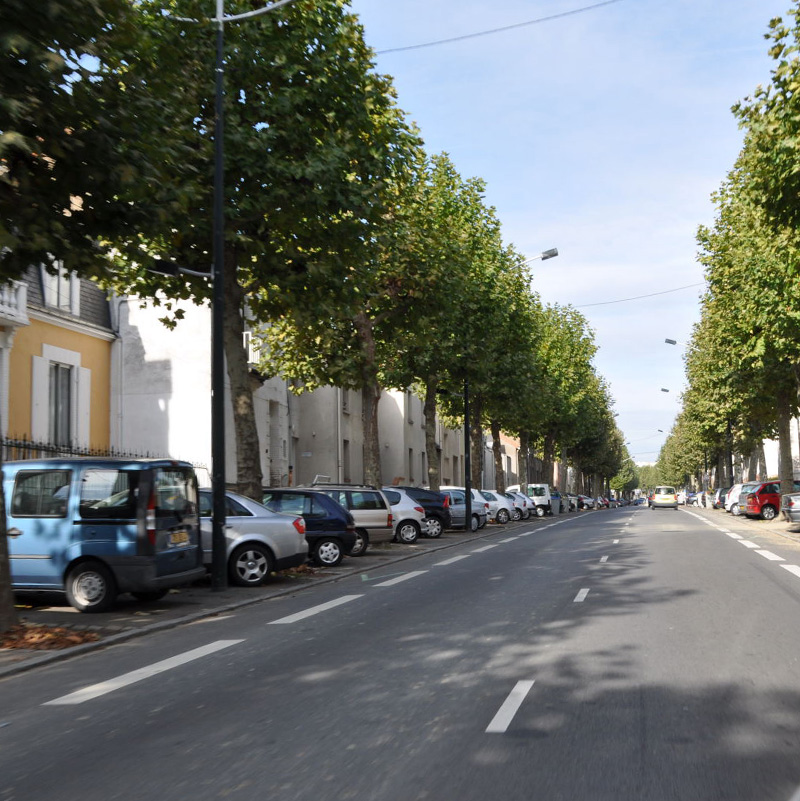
(792, 569)
(502, 720)
(104, 687)
(453, 559)
(509, 539)
(748, 544)
(733, 536)
(581, 596)
(773, 557)
(526, 534)
(392, 582)
(486, 548)
(603, 559)
(315, 610)
(615, 542)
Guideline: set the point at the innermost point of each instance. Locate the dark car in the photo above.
(436, 506)
(330, 528)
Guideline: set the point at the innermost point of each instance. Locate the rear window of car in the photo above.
(109, 493)
(392, 496)
(665, 490)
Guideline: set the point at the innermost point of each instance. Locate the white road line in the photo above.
(502, 720)
(392, 582)
(526, 534)
(773, 557)
(315, 610)
(581, 596)
(748, 544)
(450, 561)
(485, 548)
(603, 559)
(96, 690)
(616, 542)
(792, 569)
(733, 536)
(510, 539)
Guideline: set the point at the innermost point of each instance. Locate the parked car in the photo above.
(664, 498)
(408, 515)
(541, 497)
(258, 541)
(732, 503)
(330, 528)
(585, 502)
(600, 502)
(790, 507)
(371, 512)
(94, 528)
(719, 498)
(457, 501)
(764, 500)
(480, 504)
(523, 505)
(437, 510)
(501, 509)
(573, 502)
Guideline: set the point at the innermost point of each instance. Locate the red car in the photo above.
(764, 501)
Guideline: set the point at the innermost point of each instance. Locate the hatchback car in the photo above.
(458, 509)
(764, 500)
(258, 541)
(409, 516)
(790, 507)
(501, 509)
(732, 499)
(436, 506)
(330, 528)
(371, 512)
(664, 498)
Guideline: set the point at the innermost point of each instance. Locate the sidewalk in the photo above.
(791, 531)
(131, 618)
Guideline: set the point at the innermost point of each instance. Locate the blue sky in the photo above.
(602, 133)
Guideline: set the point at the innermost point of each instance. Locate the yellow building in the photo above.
(55, 361)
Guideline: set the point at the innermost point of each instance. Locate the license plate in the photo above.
(179, 537)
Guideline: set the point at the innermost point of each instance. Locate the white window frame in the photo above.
(72, 304)
(80, 397)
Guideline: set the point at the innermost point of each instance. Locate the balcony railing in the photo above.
(14, 304)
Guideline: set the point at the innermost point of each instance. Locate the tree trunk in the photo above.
(8, 612)
(432, 452)
(524, 439)
(370, 395)
(248, 447)
(476, 440)
(786, 464)
(547, 458)
(497, 451)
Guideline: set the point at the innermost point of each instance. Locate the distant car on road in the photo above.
(664, 498)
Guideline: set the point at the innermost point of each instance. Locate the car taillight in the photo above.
(150, 519)
(300, 525)
(389, 520)
(419, 509)
(446, 501)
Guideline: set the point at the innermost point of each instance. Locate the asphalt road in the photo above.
(627, 654)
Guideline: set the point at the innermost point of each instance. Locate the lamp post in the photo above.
(218, 557)
(544, 255)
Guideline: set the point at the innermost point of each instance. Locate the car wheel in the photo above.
(90, 587)
(516, 516)
(735, 511)
(435, 527)
(327, 552)
(502, 516)
(155, 595)
(250, 564)
(475, 523)
(768, 512)
(362, 543)
(540, 511)
(408, 531)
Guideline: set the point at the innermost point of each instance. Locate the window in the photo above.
(41, 494)
(366, 500)
(109, 494)
(392, 496)
(61, 290)
(59, 427)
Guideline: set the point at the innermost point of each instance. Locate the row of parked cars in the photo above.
(95, 528)
(759, 499)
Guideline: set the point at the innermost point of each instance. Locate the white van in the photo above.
(541, 497)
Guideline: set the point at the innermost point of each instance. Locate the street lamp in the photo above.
(218, 561)
(544, 255)
(664, 390)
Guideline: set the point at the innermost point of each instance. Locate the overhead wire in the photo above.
(498, 30)
(638, 297)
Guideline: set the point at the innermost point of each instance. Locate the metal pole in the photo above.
(467, 464)
(219, 579)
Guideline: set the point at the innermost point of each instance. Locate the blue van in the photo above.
(94, 528)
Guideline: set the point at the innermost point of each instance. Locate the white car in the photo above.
(408, 515)
(734, 493)
(501, 509)
(524, 507)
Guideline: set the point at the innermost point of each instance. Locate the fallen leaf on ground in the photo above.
(44, 638)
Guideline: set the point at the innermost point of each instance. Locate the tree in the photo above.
(312, 138)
